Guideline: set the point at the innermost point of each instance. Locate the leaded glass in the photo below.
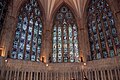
(104, 41)
(27, 42)
(65, 37)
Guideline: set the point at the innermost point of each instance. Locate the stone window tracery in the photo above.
(65, 37)
(28, 35)
(103, 37)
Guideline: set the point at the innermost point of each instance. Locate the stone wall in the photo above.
(105, 69)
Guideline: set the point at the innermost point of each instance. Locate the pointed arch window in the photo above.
(65, 37)
(27, 41)
(103, 37)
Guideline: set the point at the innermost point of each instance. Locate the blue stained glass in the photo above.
(65, 43)
(20, 56)
(98, 56)
(116, 40)
(28, 33)
(114, 31)
(33, 58)
(64, 9)
(102, 32)
(111, 53)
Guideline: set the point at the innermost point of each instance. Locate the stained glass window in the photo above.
(65, 37)
(103, 38)
(27, 42)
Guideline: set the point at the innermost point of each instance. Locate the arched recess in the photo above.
(102, 32)
(65, 45)
(28, 35)
(57, 7)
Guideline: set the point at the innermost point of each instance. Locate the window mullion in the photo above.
(37, 54)
(26, 39)
(19, 40)
(99, 42)
(111, 37)
(68, 42)
(106, 42)
(31, 45)
(62, 43)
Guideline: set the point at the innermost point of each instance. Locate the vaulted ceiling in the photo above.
(50, 6)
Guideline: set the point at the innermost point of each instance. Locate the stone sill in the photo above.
(39, 66)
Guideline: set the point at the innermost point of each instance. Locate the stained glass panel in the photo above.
(65, 40)
(103, 38)
(27, 42)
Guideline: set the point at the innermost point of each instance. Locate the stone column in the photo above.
(57, 76)
(118, 73)
(92, 75)
(102, 77)
(51, 75)
(89, 77)
(25, 75)
(22, 74)
(15, 75)
(18, 75)
(30, 75)
(98, 76)
(62, 75)
(95, 75)
(116, 76)
(7, 33)
(10, 74)
(36, 75)
(108, 75)
(47, 76)
(40, 75)
(68, 75)
(7, 75)
(77, 75)
(111, 74)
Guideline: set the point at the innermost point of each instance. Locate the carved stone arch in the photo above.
(112, 9)
(64, 24)
(41, 19)
(59, 5)
(111, 6)
(22, 4)
(16, 11)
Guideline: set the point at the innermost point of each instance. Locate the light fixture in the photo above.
(84, 64)
(72, 79)
(6, 60)
(85, 78)
(47, 65)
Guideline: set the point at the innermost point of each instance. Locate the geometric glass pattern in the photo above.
(65, 37)
(27, 41)
(103, 37)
